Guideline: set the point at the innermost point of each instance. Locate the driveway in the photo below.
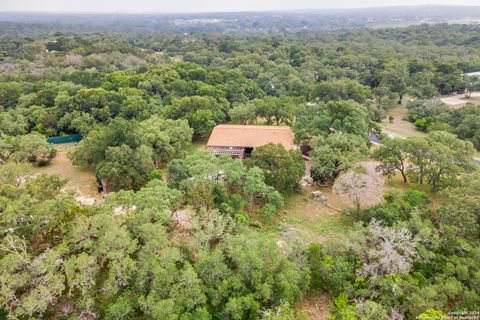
(459, 100)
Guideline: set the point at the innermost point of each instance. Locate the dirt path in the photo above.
(371, 170)
(316, 305)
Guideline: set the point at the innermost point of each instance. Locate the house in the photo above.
(239, 140)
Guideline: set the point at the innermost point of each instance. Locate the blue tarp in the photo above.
(65, 139)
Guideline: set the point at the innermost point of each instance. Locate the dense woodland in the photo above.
(140, 99)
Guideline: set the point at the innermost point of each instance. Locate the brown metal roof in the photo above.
(227, 135)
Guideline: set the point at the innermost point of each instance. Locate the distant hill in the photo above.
(271, 22)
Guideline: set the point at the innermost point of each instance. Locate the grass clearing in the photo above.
(315, 221)
(196, 146)
(400, 128)
(80, 180)
(311, 219)
(396, 182)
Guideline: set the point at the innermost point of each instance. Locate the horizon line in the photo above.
(234, 11)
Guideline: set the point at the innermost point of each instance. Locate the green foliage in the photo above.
(224, 183)
(393, 157)
(202, 113)
(439, 158)
(429, 314)
(419, 290)
(429, 116)
(460, 208)
(329, 273)
(343, 89)
(347, 117)
(13, 123)
(134, 257)
(399, 207)
(282, 169)
(31, 148)
(126, 152)
(243, 113)
(124, 167)
(276, 110)
(10, 93)
(335, 154)
(127, 248)
(341, 309)
(395, 77)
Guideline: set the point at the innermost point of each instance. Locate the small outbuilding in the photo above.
(240, 140)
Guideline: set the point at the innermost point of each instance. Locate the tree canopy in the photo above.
(283, 169)
(126, 152)
(182, 234)
(123, 248)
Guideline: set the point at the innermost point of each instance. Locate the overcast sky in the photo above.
(163, 6)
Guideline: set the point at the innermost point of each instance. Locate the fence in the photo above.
(65, 139)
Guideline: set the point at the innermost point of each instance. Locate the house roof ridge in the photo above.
(250, 136)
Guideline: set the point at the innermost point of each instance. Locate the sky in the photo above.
(187, 6)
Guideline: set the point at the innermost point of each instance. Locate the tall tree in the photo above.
(243, 113)
(202, 113)
(440, 157)
(393, 156)
(395, 77)
(335, 154)
(276, 110)
(32, 147)
(343, 89)
(346, 117)
(126, 152)
(283, 169)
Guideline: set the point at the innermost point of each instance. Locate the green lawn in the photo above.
(400, 127)
(310, 219)
(196, 146)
